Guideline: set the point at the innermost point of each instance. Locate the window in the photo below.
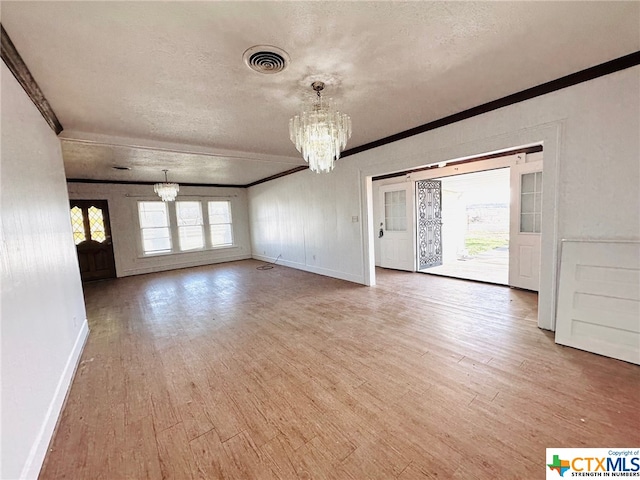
(154, 227)
(220, 223)
(530, 202)
(87, 224)
(190, 233)
(96, 224)
(77, 224)
(395, 210)
(183, 226)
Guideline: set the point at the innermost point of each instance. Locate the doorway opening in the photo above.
(475, 227)
(479, 220)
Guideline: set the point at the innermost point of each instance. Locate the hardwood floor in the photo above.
(230, 372)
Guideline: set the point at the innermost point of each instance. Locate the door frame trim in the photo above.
(550, 136)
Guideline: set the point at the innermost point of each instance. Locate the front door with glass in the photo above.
(525, 226)
(92, 236)
(395, 231)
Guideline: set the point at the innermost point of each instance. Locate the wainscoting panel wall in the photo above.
(599, 298)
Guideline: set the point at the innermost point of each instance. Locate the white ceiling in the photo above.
(169, 76)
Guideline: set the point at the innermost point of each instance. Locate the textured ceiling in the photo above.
(169, 76)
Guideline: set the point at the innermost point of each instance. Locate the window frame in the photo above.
(180, 228)
(209, 225)
(141, 230)
(174, 227)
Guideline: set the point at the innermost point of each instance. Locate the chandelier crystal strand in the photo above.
(166, 191)
(321, 133)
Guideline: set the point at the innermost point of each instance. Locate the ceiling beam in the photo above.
(14, 62)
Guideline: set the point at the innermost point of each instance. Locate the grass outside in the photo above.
(479, 242)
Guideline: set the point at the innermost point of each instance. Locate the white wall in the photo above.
(591, 143)
(308, 219)
(123, 210)
(43, 324)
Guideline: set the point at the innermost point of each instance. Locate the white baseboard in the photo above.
(34, 461)
(310, 268)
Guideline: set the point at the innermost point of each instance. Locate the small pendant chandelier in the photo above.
(166, 191)
(321, 133)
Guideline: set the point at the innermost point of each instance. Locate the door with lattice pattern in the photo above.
(92, 236)
(429, 199)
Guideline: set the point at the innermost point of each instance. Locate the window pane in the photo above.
(395, 210)
(190, 237)
(526, 223)
(221, 235)
(153, 214)
(96, 224)
(528, 182)
(156, 240)
(527, 204)
(398, 211)
(77, 224)
(539, 182)
(219, 212)
(391, 224)
(189, 213)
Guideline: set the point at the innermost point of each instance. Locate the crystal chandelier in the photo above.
(321, 133)
(166, 191)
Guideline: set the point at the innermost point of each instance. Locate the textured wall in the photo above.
(43, 316)
(307, 218)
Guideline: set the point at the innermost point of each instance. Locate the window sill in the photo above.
(188, 252)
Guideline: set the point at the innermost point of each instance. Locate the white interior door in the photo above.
(396, 228)
(525, 225)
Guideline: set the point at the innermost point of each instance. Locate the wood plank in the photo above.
(208, 453)
(329, 381)
(138, 451)
(176, 457)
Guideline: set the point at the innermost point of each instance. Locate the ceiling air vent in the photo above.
(266, 59)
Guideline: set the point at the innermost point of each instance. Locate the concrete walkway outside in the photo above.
(491, 266)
